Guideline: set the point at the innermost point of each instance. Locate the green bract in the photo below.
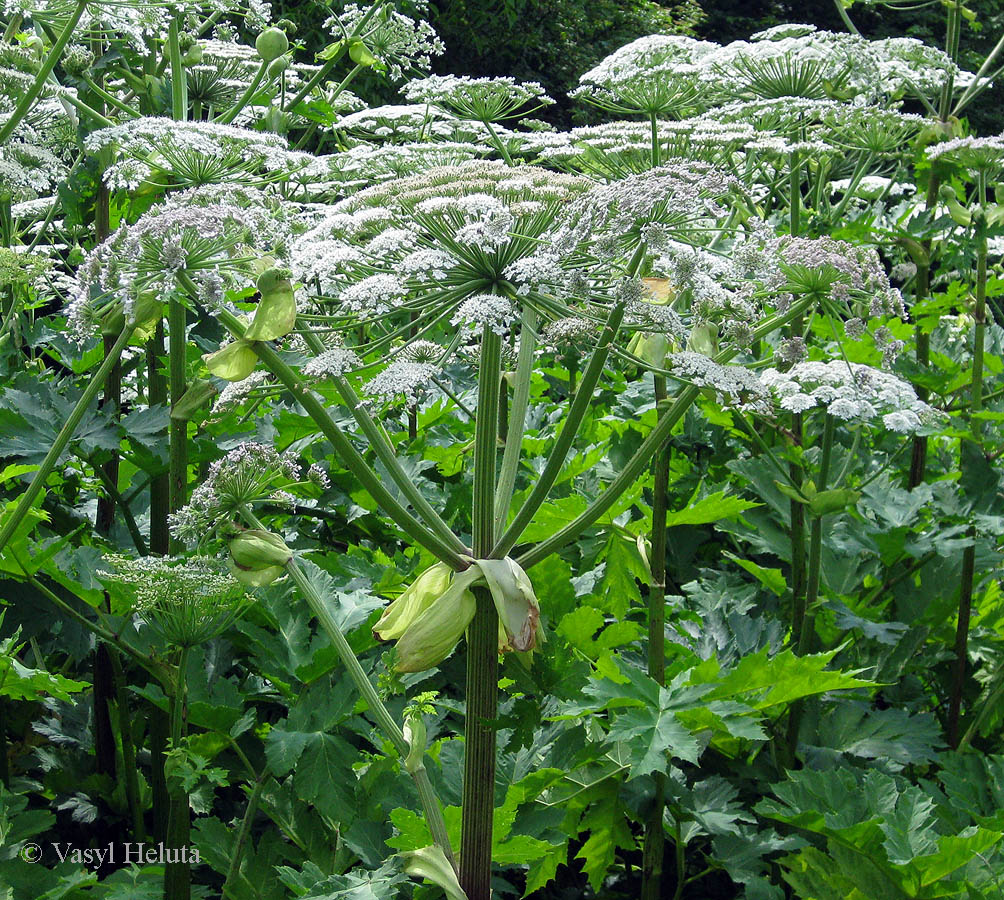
(276, 313)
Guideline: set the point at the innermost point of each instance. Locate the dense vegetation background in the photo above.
(698, 384)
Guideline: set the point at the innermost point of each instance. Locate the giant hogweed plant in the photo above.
(680, 265)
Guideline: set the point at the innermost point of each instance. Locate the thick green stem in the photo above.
(656, 146)
(111, 403)
(952, 30)
(922, 340)
(176, 315)
(991, 703)
(329, 64)
(31, 95)
(517, 418)
(498, 144)
(4, 765)
(807, 628)
(155, 668)
(975, 405)
(111, 99)
(243, 834)
(655, 836)
(482, 643)
(130, 773)
(160, 484)
(115, 499)
(63, 438)
(228, 117)
(385, 453)
(845, 18)
(178, 875)
(179, 81)
(178, 428)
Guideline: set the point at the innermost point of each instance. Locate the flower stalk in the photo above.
(350, 457)
(967, 580)
(482, 642)
(655, 836)
(430, 802)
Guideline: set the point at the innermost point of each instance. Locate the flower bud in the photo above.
(271, 44)
(255, 578)
(431, 637)
(277, 67)
(415, 735)
(360, 54)
(704, 339)
(516, 603)
(259, 549)
(418, 597)
(652, 348)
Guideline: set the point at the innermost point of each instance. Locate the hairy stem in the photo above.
(563, 443)
(350, 457)
(655, 836)
(517, 418)
(975, 405)
(649, 446)
(178, 875)
(243, 834)
(482, 643)
(160, 484)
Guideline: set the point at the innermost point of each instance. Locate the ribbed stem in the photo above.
(922, 340)
(636, 465)
(655, 836)
(227, 117)
(243, 834)
(569, 428)
(975, 405)
(178, 428)
(482, 643)
(329, 64)
(807, 628)
(160, 484)
(178, 875)
(385, 453)
(179, 82)
(517, 418)
(130, 773)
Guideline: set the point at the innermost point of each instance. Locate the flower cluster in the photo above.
(478, 99)
(249, 473)
(187, 601)
(401, 44)
(850, 392)
(191, 153)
